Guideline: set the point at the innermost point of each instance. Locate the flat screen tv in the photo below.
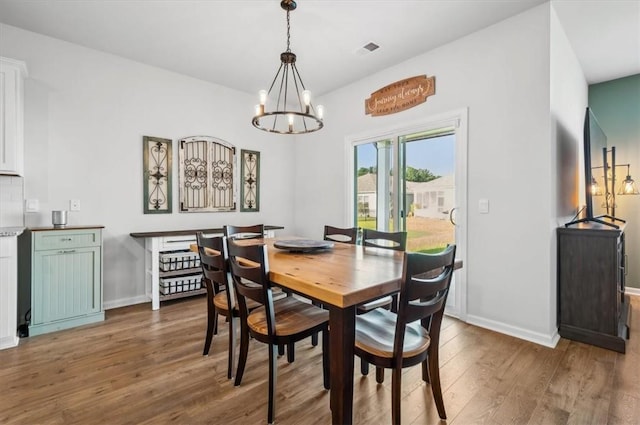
(595, 145)
(595, 171)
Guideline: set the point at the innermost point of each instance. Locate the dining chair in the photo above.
(348, 235)
(423, 293)
(278, 322)
(220, 296)
(340, 234)
(396, 241)
(255, 231)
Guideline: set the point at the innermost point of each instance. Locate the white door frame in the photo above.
(458, 119)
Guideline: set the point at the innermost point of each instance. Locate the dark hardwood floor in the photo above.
(146, 367)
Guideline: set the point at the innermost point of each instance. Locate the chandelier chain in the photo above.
(288, 31)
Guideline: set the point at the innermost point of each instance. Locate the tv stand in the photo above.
(598, 219)
(592, 304)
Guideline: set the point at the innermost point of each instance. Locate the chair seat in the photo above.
(375, 332)
(293, 317)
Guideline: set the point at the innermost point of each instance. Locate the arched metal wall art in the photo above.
(156, 154)
(207, 181)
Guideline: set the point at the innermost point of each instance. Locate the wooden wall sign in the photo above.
(401, 95)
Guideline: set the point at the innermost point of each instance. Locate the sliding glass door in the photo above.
(410, 180)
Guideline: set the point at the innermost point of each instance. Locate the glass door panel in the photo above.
(428, 186)
(373, 201)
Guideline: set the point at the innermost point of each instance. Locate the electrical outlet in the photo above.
(74, 205)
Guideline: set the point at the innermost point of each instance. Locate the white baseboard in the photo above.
(527, 335)
(123, 302)
(8, 341)
(632, 291)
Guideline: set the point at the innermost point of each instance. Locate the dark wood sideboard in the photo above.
(592, 305)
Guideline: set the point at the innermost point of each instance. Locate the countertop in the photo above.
(11, 231)
(67, 227)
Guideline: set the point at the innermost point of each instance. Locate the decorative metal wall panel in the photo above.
(250, 186)
(156, 154)
(206, 175)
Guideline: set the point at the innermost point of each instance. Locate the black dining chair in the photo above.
(278, 322)
(426, 279)
(220, 297)
(340, 234)
(255, 231)
(396, 241)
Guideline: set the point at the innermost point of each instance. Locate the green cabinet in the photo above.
(64, 277)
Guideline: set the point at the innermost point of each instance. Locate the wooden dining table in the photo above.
(340, 278)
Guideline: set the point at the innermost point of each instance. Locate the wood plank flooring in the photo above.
(146, 367)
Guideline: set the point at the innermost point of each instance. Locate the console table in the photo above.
(171, 242)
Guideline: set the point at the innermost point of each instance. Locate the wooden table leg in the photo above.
(342, 338)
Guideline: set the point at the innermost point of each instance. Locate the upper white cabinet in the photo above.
(12, 75)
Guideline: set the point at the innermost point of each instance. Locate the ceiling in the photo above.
(237, 43)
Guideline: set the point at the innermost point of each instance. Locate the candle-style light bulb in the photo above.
(290, 117)
(259, 110)
(320, 110)
(306, 98)
(263, 97)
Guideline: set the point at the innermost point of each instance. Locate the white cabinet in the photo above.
(8, 292)
(12, 74)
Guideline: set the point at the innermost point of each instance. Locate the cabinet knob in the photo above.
(66, 239)
(66, 251)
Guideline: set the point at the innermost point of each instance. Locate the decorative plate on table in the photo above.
(303, 245)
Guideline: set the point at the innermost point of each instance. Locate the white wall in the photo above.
(502, 74)
(85, 115)
(569, 99)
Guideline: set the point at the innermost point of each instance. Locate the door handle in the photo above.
(451, 215)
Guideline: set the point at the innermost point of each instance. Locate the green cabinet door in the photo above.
(66, 284)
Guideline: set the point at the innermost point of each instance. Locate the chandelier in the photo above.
(294, 112)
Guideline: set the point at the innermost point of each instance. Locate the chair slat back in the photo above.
(213, 262)
(426, 279)
(255, 231)
(338, 234)
(396, 241)
(251, 278)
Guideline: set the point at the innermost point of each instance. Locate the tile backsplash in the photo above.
(11, 201)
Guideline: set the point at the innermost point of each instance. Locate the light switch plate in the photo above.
(74, 205)
(31, 205)
(483, 206)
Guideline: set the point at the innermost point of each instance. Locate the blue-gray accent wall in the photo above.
(616, 104)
